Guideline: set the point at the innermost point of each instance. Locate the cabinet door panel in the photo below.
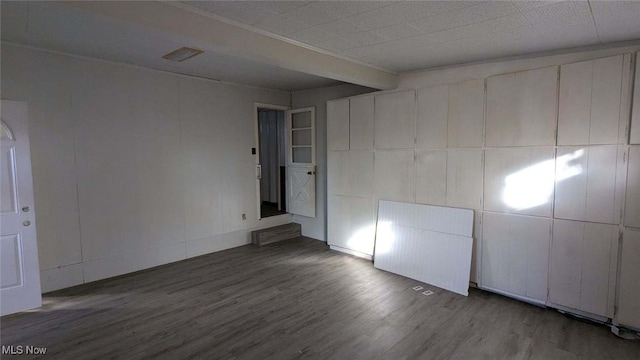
(431, 177)
(464, 178)
(361, 123)
(394, 175)
(431, 127)
(338, 125)
(632, 202)
(466, 114)
(395, 120)
(522, 108)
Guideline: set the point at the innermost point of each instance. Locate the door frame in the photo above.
(256, 124)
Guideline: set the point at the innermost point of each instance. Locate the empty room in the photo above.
(320, 179)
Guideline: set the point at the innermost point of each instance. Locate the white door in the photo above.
(20, 272)
(301, 169)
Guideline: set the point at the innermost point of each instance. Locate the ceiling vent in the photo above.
(182, 54)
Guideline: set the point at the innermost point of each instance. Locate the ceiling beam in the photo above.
(230, 39)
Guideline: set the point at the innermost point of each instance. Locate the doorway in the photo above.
(272, 163)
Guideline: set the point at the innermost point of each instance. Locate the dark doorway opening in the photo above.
(272, 157)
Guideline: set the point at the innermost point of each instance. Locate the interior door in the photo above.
(301, 168)
(20, 272)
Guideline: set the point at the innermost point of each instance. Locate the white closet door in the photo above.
(431, 177)
(338, 125)
(361, 123)
(590, 98)
(632, 203)
(628, 304)
(351, 223)
(360, 173)
(605, 100)
(515, 254)
(574, 107)
(580, 265)
(519, 180)
(466, 114)
(588, 183)
(522, 108)
(395, 120)
(464, 178)
(338, 172)
(431, 127)
(635, 117)
(394, 175)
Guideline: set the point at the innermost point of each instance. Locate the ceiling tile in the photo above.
(337, 44)
(440, 22)
(340, 27)
(567, 12)
(398, 31)
(277, 7)
(311, 15)
(616, 21)
(529, 4)
(280, 25)
(455, 5)
(234, 10)
(312, 36)
(364, 38)
(395, 14)
(485, 10)
(348, 8)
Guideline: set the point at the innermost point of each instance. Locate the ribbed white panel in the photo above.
(441, 219)
(431, 244)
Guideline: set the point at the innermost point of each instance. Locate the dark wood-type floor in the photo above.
(296, 299)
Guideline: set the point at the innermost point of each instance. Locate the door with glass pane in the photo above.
(301, 174)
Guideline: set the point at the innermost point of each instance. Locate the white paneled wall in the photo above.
(543, 158)
(394, 175)
(395, 120)
(587, 183)
(634, 137)
(465, 127)
(589, 102)
(522, 108)
(632, 203)
(629, 306)
(519, 180)
(515, 253)
(431, 177)
(431, 127)
(152, 167)
(583, 255)
(361, 123)
(338, 125)
(464, 178)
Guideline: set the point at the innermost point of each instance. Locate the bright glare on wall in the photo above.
(533, 186)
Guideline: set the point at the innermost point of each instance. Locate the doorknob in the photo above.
(26, 223)
(25, 209)
(311, 172)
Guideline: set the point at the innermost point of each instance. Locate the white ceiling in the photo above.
(60, 27)
(393, 35)
(411, 35)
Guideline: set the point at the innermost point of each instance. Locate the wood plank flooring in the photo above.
(296, 299)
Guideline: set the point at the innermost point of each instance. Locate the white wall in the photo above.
(317, 227)
(134, 168)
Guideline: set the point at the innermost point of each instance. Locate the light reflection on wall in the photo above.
(385, 237)
(533, 186)
(361, 239)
